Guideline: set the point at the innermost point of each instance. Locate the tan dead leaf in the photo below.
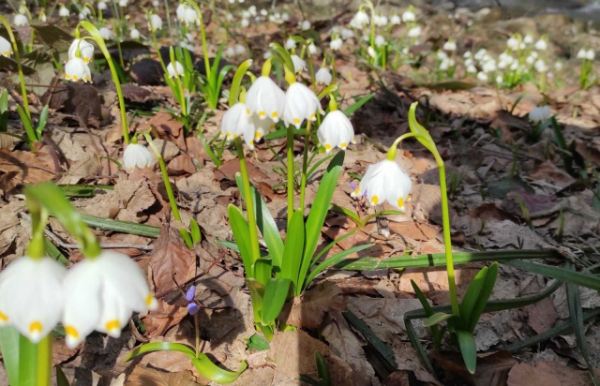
(86, 167)
(308, 310)
(407, 360)
(61, 353)
(24, 167)
(8, 141)
(492, 370)
(165, 124)
(167, 149)
(134, 195)
(397, 378)
(548, 172)
(171, 260)
(229, 168)
(157, 322)
(409, 230)
(9, 224)
(182, 164)
(547, 374)
(542, 315)
(144, 376)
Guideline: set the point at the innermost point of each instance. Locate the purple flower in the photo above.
(189, 296)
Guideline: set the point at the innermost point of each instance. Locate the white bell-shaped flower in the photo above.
(590, 54)
(471, 69)
(123, 3)
(236, 123)
(336, 131)
(581, 54)
(300, 103)
(312, 49)
(528, 39)
(395, 20)
(323, 76)
(261, 126)
(175, 71)
(305, 25)
(64, 11)
(385, 181)
(85, 49)
(540, 114)
(21, 20)
(346, 33)
(155, 22)
(106, 33)
(380, 41)
(299, 64)
(482, 76)
(540, 66)
(336, 44)
(134, 34)
(156, 3)
(541, 45)
(5, 47)
(101, 293)
(265, 99)
(414, 32)
(240, 49)
(449, 46)
(102, 6)
(371, 51)
(76, 70)
(409, 16)
(31, 296)
(513, 43)
(381, 20)
(180, 11)
(290, 43)
(137, 156)
(187, 14)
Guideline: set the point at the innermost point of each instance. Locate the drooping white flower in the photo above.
(590, 54)
(336, 131)
(489, 66)
(482, 76)
(371, 52)
(541, 45)
(441, 55)
(31, 296)
(23, 9)
(323, 76)
(395, 20)
(540, 114)
(155, 3)
(240, 49)
(137, 156)
(106, 33)
(43, 17)
(540, 66)
(300, 103)
(285, 16)
(312, 49)
(299, 64)
(180, 11)
(21, 20)
(360, 19)
(266, 99)
(346, 33)
(134, 34)
(582, 53)
(85, 49)
(530, 59)
(101, 294)
(468, 55)
(471, 69)
(381, 20)
(385, 181)
(76, 69)
(305, 25)
(558, 66)
(187, 14)
(229, 52)
(5, 47)
(64, 11)
(155, 22)
(414, 32)
(236, 122)
(123, 3)
(480, 54)
(290, 43)
(264, 12)
(409, 16)
(469, 62)
(380, 41)
(513, 43)
(336, 44)
(528, 39)
(450, 46)
(102, 6)
(175, 71)
(499, 79)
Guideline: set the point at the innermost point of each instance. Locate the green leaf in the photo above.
(121, 226)
(258, 343)
(9, 346)
(437, 319)
(263, 269)
(257, 294)
(213, 372)
(53, 252)
(318, 211)
(241, 232)
(348, 213)
(333, 260)
(484, 296)
(322, 370)
(61, 378)
(467, 349)
(471, 296)
(358, 104)
(265, 223)
(292, 252)
(27, 124)
(561, 274)
(195, 231)
(331, 245)
(42, 123)
(275, 296)
(435, 332)
(234, 91)
(160, 346)
(4, 110)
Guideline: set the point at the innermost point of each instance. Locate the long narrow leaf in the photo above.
(9, 347)
(466, 342)
(322, 370)
(484, 296)
(121, 226)
(213, 372)
(470, 298)
(257, 294)
(160, 346)
(565, 275)
(241, 232)
(358, 104)
(436, 319)
(333, 260)
(275, 296)
(331, 245)
(436, 333)
(292, 251)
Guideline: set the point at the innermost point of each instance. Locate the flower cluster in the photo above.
(96, 294)
(80, 54)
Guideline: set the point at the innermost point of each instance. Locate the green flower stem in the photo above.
(179, 84)
(249, 206)
(39, 218)
(93, 31)
(168, 14)
(121, 62)
(165, 176)
(305, 165)
(290, 173)
(6, 23)
(203, 37)
(44, 361)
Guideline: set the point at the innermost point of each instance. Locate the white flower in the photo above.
(360, 19)
(385, 181)
(381, 20)
(155, 3)
(471, 69)
(312, 49)
(541, 45)
(123, 3)
(264, 12)
(445, 64)
(102, 6)
(336, 44)
(408, 16)
(106, 33)
(31, 296)
(323, 76)
(371, 52)
(528, 39)
(5, 47)
(469, 62)
(285, 16)
(229, 52)
(23, 9)
(245, 23)
(236, 122)
(590, 54)
(134, 34)
(513, 43)
(290, 43)
(540, 66)
(489, 66)
(176, 70)
(414, 32)
(266, 99)
(441, 55)
(300, 103)
(76, 69)
(155, 22)
(480, 54)
(229, 16)
(180, 11)
(85, 49)
(380, 41)
(101, 294)
(582, 53)
(64, 11)
(346, 33)
(137, 155)
(252, 10)
(468, 55)
(187, 14)
(240, 49)
(482, 76)
(21, 20)
(305, 25)
(43, 17)
(395, 20)
(540, 114)
(336, 131)
(450, 45)
(530, 59)
(499, 79)
(299, 64)
(558, 66)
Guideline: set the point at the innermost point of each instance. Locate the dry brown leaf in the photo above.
(86, 167)
(308, 310)
(407, 360)
(492, 370)
(542, 315)
(133, 197)
(182, 164)
(167, 149)
(144, 376)
(547, 374)
(24, 167)
(157, 322)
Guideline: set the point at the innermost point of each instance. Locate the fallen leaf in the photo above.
(147, 71)
(24, 168)
(157, 322)
(492, 370)
(542, 315)
(308, 309)
(144, 376)
(84, 168)
(547, 374)
(182, 164)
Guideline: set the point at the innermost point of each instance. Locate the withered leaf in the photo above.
(138, 94)
(309, 309)
(53, 36)
(547, 374)
(492, 370)
(81, 100)
(157, 322)
(24, 167)
(144, 376)
(147, 72)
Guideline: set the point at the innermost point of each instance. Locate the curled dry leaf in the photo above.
(144, 376)
(547, 374)
(492, 370)
(24, 167)
(308, 310)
